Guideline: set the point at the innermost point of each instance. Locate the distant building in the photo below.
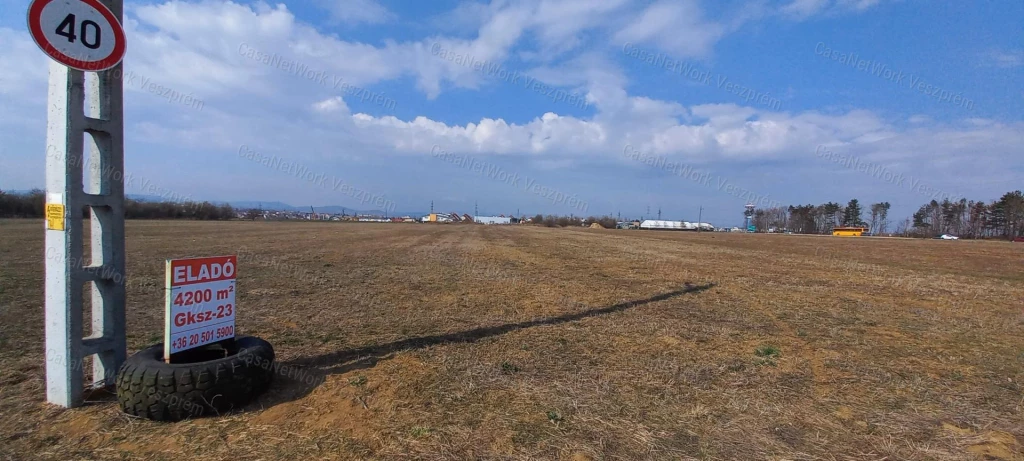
(492, 220)
(657, 224)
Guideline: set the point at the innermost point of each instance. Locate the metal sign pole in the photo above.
(66, 271)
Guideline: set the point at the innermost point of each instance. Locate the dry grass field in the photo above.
(473, 342)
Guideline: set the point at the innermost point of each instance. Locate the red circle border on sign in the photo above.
(35, 11)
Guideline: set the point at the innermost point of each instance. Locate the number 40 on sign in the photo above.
(80, 34)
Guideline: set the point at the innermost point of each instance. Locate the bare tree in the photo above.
(903, 228)
(883, 217)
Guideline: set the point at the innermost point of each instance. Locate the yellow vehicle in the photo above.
(849, 231)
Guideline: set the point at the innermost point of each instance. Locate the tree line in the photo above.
(608, 222)
(1003, 218)
(33, 205)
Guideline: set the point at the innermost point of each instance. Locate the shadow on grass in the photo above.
(297, 378)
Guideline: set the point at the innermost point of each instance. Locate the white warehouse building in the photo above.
(492, 220)
(656, 224)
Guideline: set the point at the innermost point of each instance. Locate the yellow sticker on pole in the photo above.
(55, 216)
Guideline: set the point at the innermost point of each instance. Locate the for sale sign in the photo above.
(200, 302)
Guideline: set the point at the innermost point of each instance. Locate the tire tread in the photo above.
(149, 388)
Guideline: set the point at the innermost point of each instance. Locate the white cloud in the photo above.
(1004, 59)
(202, 49)
(678, 27)
(858, 4)
(31, 71)
(803, 9)
(334, 104)
(559, 23)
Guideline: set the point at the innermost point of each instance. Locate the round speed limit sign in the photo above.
(81, 34)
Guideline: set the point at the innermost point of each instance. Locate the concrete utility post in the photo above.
(69, 131)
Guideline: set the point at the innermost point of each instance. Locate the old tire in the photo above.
(217, 379)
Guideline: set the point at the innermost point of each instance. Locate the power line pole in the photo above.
(699, 215)
(69, 189)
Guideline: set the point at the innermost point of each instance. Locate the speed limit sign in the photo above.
(81, 34)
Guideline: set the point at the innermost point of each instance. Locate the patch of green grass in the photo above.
(767, 352)
(555, 417)
(509, 367)
(420, 431)
(357, 381)
(766, 355)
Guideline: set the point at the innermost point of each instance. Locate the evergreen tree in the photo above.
(851, 215)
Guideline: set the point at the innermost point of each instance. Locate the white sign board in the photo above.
(81, 34)
(200, 302)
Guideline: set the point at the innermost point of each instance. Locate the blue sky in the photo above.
(754, 104)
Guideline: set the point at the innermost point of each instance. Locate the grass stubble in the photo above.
(469, 342)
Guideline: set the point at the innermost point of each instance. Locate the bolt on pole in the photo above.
(70, 130)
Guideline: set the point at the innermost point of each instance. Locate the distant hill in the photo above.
(269, 206)
(329, 209)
